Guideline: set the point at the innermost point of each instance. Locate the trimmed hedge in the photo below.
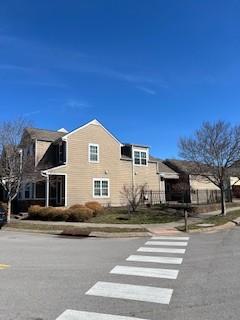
(96, 207)
(47, 213)
(79, 214)
(75, 213)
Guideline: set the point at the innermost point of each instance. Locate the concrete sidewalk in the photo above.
(215, 213)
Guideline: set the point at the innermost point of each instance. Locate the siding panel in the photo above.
(80, 173)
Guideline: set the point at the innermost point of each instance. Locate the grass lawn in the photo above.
(142, 216)
(70, 230)
(216, 220)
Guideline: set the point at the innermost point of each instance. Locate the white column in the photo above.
(162, 189)
(47, 191)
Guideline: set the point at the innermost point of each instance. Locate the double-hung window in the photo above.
(93, 153)
(140, 158)
(101, 188)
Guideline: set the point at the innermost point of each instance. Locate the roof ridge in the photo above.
(34, 128)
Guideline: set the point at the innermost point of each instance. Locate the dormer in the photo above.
(139, 154)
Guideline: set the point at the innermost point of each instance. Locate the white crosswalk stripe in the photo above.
(157, 244)
(170, 238)
(83, 315)
(165, 250)
(166, 243)
(131, 292)
(154, 259)
(145, 272)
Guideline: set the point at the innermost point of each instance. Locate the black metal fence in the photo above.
(197, 196)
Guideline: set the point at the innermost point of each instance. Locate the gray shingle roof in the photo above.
(44, 135)
(161, 166)
(188, 167)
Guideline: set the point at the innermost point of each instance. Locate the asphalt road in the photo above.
(49, 274)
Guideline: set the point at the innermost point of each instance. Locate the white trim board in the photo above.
(145, 272)
(131, 292)
(84, 315)
(155, 259)
(166, 243)
(165, 250)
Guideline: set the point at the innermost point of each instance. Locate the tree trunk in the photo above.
(9, 210)
(223, 202)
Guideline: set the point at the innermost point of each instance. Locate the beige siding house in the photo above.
(89, 164)
(197, 188)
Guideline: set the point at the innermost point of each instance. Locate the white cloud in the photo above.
(147, 90)
(75, 105)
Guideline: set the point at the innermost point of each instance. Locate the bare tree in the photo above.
(213, 149)
(133, 195)
(13, 163)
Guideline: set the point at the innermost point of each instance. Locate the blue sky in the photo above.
(150, 71)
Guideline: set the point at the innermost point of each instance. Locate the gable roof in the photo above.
(96, 123)
(44, 135)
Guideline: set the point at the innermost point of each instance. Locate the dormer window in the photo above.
(93, 153)
(140, 158)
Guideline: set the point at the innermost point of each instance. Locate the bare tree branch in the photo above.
(213, 150)
(15, 162)
(133, 195)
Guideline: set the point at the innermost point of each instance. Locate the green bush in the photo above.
(96, 207)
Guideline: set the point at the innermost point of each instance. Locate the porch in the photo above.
(55, 190)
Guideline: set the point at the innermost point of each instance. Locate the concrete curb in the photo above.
(53, 232)
(98, 234)
(226, 226)
(93, 234)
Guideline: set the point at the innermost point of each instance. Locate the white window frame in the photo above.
(140, 164)
(89, 152)
(101, 180)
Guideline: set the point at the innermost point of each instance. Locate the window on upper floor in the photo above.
(101, 188)
(140, 158)
(93, 153)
